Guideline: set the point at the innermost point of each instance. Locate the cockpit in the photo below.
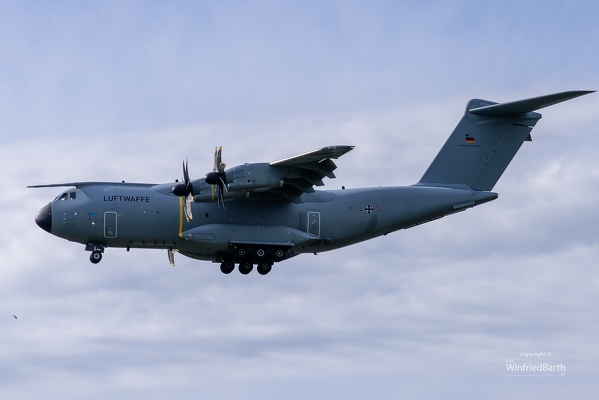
(70, 195)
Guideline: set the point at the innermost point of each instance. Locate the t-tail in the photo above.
(485, 141)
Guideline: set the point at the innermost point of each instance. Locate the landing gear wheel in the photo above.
(264, 268)
(278, 254)
(96, 256)
(260, 253)
(246, 267)
(227, 267)
(241, 252)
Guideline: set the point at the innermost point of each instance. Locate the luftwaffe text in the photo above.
(136, 199)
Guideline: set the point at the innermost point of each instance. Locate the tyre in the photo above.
(246, 267)
(264, 268)
(95, 257)
(227, 267)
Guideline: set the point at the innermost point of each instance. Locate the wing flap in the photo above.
(307, 170)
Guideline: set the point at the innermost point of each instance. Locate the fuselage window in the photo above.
(73, 195)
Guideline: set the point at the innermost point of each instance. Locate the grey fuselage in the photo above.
(149, 216)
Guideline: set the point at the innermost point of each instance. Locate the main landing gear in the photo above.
(261, 257)
(246, 267)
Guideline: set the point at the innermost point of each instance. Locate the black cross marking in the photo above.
(369, 209)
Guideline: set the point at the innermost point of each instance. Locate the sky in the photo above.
(112, 90)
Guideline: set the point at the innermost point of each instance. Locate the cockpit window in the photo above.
(66, 196)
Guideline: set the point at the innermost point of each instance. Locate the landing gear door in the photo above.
(314, 223)
(110, 218)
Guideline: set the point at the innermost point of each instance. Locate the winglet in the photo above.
(527, 105)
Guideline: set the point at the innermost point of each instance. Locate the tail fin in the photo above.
(485, 141)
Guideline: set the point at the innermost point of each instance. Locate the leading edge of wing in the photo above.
(312, 156)
(82, 184)
(527, 105)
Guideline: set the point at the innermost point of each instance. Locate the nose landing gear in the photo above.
(96, 255)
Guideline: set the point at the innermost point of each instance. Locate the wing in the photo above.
(283, 180)
(84, 184)
(312, 159)
(307, 170)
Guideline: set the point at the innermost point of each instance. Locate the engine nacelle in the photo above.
(254, 177)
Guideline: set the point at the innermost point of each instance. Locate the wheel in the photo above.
(241, 252)
(264, 268)
(246, 267)
(260, 253)
(227, 267)
(96, 256)
(278, 254)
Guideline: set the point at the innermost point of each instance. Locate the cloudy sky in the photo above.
(116, 90)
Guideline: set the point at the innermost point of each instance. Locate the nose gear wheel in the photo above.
(96, 256)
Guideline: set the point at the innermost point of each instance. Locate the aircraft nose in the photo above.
(43, 219)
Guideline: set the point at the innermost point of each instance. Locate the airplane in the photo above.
(260, 214)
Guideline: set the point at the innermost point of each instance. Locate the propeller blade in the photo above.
(186, 174)
(217, 159)
(221, 192)
(218, 176)
(185, 189)
(223, 183)
(218, 170)
(171, 256)
(187, 207)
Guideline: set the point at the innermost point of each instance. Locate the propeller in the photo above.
(217, 176)
(185, 189)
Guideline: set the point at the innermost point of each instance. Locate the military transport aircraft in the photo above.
(262, 213)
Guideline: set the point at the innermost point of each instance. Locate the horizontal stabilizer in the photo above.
(527, 105)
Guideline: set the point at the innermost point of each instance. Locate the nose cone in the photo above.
(43, 219)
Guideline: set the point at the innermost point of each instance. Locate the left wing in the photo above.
(315, 160)
(307, 170)
(83, 184)
(283, 180)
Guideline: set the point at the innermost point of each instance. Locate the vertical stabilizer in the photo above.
(485, 140)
